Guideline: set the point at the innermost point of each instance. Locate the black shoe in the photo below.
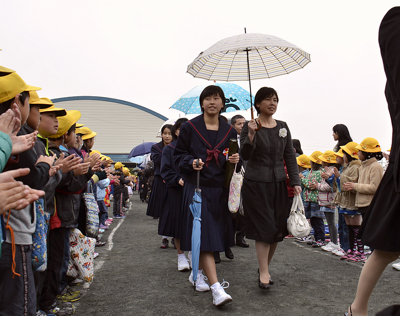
(241, 242)
(271, 282)
(164, 243)
(217, 258)
(264, 286)
(229, 253)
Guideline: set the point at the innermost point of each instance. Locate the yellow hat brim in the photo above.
(6, 70)
(79, 125)
(88, 136)
(57, 111)
(65, 122)
(347, 150)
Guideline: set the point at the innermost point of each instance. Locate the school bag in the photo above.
(39, 238)
(92, 211)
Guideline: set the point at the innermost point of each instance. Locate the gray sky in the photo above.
(139, 51)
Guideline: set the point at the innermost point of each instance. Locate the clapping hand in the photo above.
(68, 163)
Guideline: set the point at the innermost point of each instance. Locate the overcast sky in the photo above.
(138, 51)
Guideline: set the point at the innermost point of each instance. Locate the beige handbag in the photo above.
(297, 224)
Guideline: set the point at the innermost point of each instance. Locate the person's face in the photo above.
(70, 140)
(335, 136)
(268, 106)
(24, 109)
(341, 160)
(239, 125)
(177, 132)
(212, 105)
(48, 124)
(79, 141)
(166, 136)
(324, 164)
(90, 143)
(33, 119)
(361, 155)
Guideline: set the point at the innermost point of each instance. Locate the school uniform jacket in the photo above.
(194, 142)
(169, 169)
(156, 153)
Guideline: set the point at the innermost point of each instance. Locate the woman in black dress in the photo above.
(264, 191)
(380, 227)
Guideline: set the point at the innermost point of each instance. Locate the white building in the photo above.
(120, 125)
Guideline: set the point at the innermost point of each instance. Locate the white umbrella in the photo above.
(248, 56)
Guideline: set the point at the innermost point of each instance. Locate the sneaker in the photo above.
(105, 227)
(357, 257)
(339, 252)
(60, 310)
(330, 247)
(76, 282)
(349, 254)
(303, 239)
(396, 266)
(117, 216)
(310, 241)
(220, 297)
(317, 244)
(164, 243)
(101, 231)
(201, 285)
(122, 215)
(289, 237)
(95, 255)
(183, 264)
(67, 295)
(100, 243)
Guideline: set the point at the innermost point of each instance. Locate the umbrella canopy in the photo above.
(269, 56)
(237, 99)
(195, 208)
(137, 159)
(141, 149)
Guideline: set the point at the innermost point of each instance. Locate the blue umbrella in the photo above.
(195, 208)
(137, 159)
(237, 99)
(141, 149)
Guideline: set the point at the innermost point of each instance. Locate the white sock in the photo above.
(216, 285)
(181, 255)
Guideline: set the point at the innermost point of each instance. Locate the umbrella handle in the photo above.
(198, 174)
(258, 125)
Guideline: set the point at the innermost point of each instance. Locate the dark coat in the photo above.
(265, 162)
(169, 169)
(118, 189)
(39, 175)
(194, 142)
(156, 153)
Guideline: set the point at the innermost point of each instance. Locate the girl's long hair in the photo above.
(343, 135)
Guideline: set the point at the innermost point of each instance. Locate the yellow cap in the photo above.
(79, 125)
(58, 111)
(328, 157)
(303, 161)
(6, 70)
(65, 122)
(86, 133)
(11, 85)
(339, 153)
(34, 99)
(95, 152)
(125, 171)
(369, 145)
(118, 165)
(351, 149)
(314, 157)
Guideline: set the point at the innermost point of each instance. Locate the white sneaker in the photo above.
(183, 264)
(396, 266)
(339, 252)
(220, 297)
(201, 285)
(330, 247)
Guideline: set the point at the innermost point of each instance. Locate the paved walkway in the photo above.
(135, 277)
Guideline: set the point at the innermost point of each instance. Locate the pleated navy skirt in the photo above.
(380, 227)
(157, 197)
(216, 220)
(171, 219)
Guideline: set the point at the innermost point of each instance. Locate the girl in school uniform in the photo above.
(159, 188)
(171, 219)
(205, 139)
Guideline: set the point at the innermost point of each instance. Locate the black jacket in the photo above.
(118, 189)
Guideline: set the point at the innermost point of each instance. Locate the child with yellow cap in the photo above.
(310, 198)
(370, 176)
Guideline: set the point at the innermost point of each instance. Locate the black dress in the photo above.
(159, 188)
(264, 191)
(381, 222)
(195, 141)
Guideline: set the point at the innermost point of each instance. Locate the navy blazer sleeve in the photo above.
(182, 154)
(168, 173)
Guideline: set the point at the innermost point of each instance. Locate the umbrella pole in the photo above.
(248, 71)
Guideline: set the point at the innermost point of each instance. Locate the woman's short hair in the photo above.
(177, 126)
(210, 91)
(264, 92)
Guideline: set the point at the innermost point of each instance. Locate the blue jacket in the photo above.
(101, 189)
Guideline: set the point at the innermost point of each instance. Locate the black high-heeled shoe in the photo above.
(351, 312)
(271, 282)
(264, 286)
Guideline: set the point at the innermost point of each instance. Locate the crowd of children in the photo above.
(49, 177)
(343, 183)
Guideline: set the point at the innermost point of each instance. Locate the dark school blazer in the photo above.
(265, 156)
(156, 153)
(169, 169)
(193, 142)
